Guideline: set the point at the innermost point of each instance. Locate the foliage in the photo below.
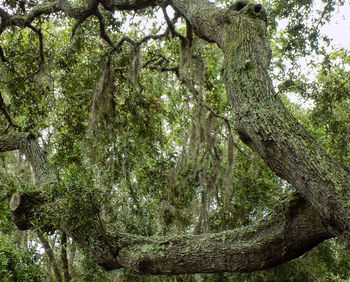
(19, 264)
(160, 159)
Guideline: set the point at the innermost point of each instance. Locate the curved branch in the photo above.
(26, 143)
(265, 125)
(152, 36)
(41, 45)
(290, 230)
(262, 121)
(3, 109)
(171, 25)
(205, 18)
(80, 20)
(103, 33)
(46, 9)
(23, 21)
(207, 27)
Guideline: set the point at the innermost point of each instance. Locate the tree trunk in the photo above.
(64, 257)
(262, 121)
(266, 126)
(51, 256)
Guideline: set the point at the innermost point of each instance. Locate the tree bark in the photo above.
(266, 126)
(64, 257)
(23, 205)
(290, 230)
(280, 237)
(262, 122)
(206, 19)
(51, 256)
(28, 145)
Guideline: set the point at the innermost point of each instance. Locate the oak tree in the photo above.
(115, 123)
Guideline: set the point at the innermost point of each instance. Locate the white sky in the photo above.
(338, 30)
(339, 27)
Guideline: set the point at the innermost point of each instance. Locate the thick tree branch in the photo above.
(26, 143)
(204, 16)
(112, 5)
(262, 121)
(46, 9)
(265, 125)
(23, 21)
(267, 244)
(287, 232)
(206, 19)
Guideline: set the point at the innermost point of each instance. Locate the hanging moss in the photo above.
(103, 103)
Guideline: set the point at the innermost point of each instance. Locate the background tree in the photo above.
(129, 155)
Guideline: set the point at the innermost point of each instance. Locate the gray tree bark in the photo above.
(262, 122)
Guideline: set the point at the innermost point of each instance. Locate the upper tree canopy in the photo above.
(138, 131)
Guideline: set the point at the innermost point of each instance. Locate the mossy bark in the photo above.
(262, 122)
(287, 232)
(266, 126)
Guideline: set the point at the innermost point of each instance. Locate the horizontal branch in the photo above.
(112, 5)
(205, 18)
(287, 232)
(45, 9)
(81, 12)
(23, 21)
(203, 15)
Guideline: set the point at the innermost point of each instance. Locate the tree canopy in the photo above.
(157, 138)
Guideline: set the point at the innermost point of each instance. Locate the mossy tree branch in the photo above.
(290, 230)
(262, 122)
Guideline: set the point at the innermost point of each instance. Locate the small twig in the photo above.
(78, 23)
(41, 45)
(153, 36)
(171, 26)
(103, 28)
(3, 109)
(2, 56)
